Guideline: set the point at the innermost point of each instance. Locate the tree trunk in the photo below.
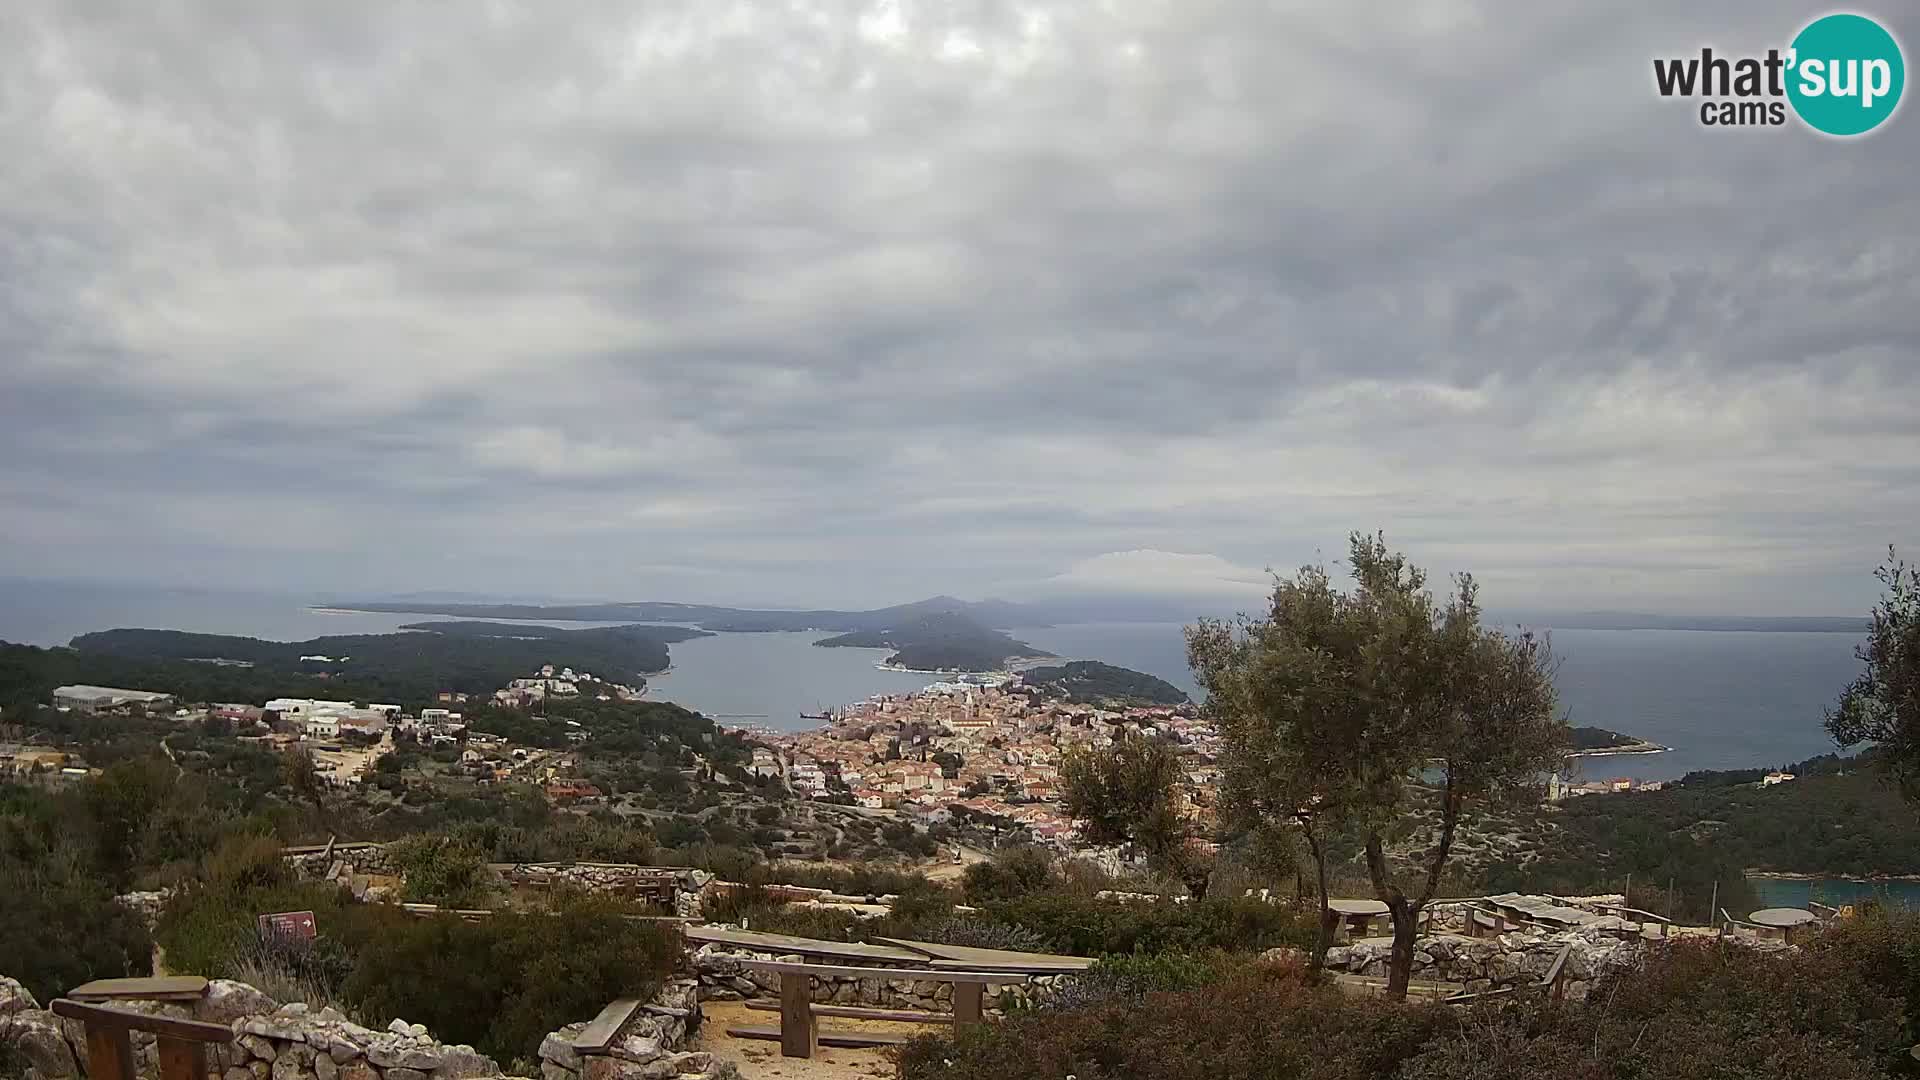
(1324, 940)
(1406, 923)
(1400, 963)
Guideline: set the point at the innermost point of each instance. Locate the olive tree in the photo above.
(1130, 794)
(1882, 705)
(1354, 708)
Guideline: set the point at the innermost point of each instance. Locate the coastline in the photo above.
(1619, 751)
(1788, 875)
(884, 665)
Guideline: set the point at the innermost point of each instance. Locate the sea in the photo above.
(1718, 699)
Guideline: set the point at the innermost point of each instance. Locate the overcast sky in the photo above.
(851, 303)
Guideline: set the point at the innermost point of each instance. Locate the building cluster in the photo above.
(1558, 789)
(29, 763)
(317, 719)
(561, 683)
(993, 751)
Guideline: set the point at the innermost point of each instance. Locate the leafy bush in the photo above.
(443, 870)
(1261, 1022)
(209, 929)
(503, 983)
(293, 969)
(245, 862)
(61, 928)
(1009, 875)
(857, 880)
(982, 934)
(1086, 926)
(1884, 946)
(1130, 978)
(1692, 1010)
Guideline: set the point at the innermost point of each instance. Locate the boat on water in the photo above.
(821, 715)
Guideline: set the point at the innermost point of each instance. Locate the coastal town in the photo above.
(989, 747)
(984, 749)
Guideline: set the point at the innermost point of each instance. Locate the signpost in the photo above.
(288, 925)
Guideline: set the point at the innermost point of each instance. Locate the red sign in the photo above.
(296, 925)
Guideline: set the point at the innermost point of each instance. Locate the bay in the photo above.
(1834, 892)
(1720, 699)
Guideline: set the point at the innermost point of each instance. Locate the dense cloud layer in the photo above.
(852, 302)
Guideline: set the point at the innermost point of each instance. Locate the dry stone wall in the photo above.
(1480, 964)
(723, 977)
(271, 1041)
(646, 1047)
(354, 863)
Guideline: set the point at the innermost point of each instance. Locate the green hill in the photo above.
(943, 641)
(1089, 682)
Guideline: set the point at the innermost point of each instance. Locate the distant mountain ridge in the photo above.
(1620, 620)
(990, 613)
(1006, 614)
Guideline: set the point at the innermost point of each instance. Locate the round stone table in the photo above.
(1357, 915)
(1783, 919)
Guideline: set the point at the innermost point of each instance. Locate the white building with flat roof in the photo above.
(87, 698)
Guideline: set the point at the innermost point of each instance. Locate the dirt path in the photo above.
(760, 1059)
(948, 870)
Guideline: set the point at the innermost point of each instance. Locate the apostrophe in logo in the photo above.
(1847, 74)
(1842, 75)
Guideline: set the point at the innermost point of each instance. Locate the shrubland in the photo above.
(1692, 1010)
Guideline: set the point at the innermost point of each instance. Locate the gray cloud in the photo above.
(845, 302)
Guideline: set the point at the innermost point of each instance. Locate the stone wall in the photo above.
(271, 1041)
(1515, 959)
(646, 1047)
(687, 884)
(359, 858)
(353, 863)
(723, 977)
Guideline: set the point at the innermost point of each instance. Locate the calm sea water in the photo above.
(768, 680)
(1774, 892)
(1721, 699)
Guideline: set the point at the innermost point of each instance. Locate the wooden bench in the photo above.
(799, 1031)
(182, 1044)
(160, 988)
(599, 1032)
(1636, 915)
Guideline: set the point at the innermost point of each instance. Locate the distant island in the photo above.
(1617, 620)
(1593, 742)
(403, 668)
(1089, 682)
(941, 641)
(992, 613)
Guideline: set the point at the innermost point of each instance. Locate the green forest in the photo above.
(1089, 682)
(406, 668)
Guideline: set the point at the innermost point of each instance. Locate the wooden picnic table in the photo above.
(1783, 919)
(799, 1032)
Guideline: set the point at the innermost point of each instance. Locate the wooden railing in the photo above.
(182, 1043)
